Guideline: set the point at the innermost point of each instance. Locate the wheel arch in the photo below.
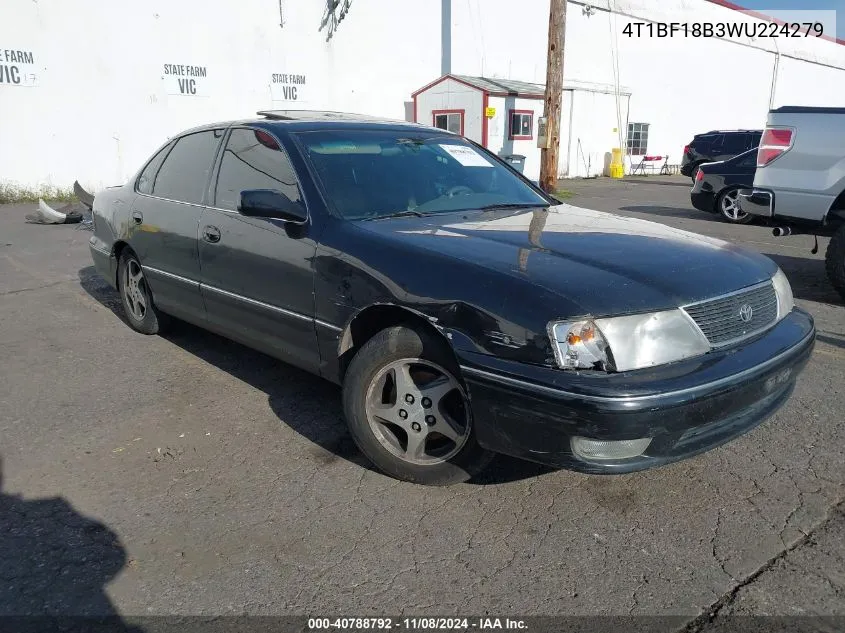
(371, 320)
(117, 249)
(836, 214)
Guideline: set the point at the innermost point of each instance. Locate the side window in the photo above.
(146, 180)
(451, 120)
(184, 174)
(253, 160)
(735, 143)
(717, 144)
(755, 140)
(521, 124)
(637, 140)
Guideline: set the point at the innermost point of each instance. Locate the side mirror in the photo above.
(269, 203)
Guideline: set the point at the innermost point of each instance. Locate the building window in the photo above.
(637, 139)
(451, 120)
(522, 125)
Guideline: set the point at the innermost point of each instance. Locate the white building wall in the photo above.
(803, 84)
(498, 140)
(453, 95)
(594, 133)
(95, 101)
(98, 102)
(673, 82)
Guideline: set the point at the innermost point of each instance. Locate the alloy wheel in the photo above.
(418, 411)
(135, 290)
(730, 206)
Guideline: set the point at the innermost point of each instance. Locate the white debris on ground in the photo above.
(72, 213)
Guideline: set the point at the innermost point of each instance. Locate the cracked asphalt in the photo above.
(185, 474)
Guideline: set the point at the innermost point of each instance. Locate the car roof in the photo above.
(729, 132)
(307, 120)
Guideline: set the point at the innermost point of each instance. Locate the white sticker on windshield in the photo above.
(466, 156)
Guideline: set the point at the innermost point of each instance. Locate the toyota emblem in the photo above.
(746, 312)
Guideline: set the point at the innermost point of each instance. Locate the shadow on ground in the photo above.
(309, 405)
(689, 213)
(54, 565)
(808, 277)
(834, 340)
(650, 180)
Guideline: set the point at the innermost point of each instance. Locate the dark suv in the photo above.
(717, 145)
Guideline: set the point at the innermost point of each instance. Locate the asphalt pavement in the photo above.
(185, 474)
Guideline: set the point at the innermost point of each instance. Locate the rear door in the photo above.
(257, 275)
(164, 222)
(731, 145)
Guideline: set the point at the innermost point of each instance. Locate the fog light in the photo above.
(600, 449)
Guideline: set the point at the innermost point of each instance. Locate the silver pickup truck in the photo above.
(799, 185)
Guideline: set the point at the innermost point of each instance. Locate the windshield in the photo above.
(367, 174)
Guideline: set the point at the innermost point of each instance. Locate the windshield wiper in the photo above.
(399, 214)
(511, 205)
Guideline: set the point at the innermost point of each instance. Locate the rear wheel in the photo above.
(728, 206)
(835, 261)
(694, 173)
(408, 411)
(135, 296)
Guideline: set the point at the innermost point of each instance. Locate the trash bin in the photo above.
(617, 166)
(517, 161)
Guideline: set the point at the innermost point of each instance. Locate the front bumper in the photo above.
(687, 407)
(757, 202)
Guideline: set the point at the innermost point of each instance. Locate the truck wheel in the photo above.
(835, 261)
(408, 411)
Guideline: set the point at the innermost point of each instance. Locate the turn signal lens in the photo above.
(580, 345)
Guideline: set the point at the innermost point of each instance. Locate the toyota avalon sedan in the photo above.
(463, 311)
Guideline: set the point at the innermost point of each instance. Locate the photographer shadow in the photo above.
(54, 565)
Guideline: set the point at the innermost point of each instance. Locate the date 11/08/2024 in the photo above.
(723, 29)
(416, 624)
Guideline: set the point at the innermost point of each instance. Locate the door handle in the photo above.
(211, 234)
(137, 217)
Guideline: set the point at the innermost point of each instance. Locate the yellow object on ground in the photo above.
(617, 167)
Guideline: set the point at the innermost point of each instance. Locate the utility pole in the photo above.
(554, 95)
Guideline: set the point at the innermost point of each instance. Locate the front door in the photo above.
(164, 221)
(257, 277)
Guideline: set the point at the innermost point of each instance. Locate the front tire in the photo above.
(135, 296)
(408, 411)
(835, 261)
(728, 207)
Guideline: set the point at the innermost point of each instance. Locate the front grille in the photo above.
(721, 319)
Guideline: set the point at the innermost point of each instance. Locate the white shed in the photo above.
(501, 115)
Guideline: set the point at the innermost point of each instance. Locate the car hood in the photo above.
(599, 263)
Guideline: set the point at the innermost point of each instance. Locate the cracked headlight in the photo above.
(627, 342)
(784, 294)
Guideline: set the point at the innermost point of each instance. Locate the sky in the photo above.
(780, 9)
